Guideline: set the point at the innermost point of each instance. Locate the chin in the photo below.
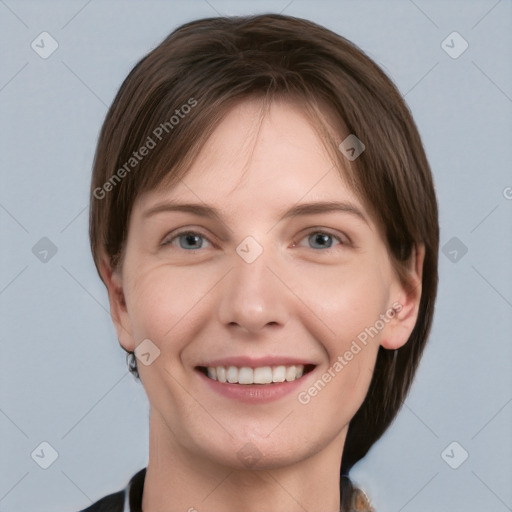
(249, 449)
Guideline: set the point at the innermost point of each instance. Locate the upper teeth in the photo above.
(260, 375)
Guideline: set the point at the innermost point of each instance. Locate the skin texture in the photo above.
(304, 296)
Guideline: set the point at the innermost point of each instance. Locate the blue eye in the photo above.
(188, 238)
(191, 240)
(322, 239)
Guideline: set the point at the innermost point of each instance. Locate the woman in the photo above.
(264, 219)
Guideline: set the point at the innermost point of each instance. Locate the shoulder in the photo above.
(353, 499)
(129, 498)
(360, 501)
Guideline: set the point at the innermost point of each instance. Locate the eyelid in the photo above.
(185, 231)
(342, 237)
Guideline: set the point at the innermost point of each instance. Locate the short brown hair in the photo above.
(210, 65)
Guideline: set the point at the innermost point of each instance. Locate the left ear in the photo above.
(406, 302)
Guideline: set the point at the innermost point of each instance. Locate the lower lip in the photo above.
(254, 393)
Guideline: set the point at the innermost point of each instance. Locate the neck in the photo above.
(179, 480)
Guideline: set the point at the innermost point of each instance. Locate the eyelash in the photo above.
(314, 231)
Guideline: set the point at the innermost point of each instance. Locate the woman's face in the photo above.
(265, 283)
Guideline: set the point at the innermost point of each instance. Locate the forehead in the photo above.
(260, 158)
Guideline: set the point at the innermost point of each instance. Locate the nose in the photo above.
(253, 295)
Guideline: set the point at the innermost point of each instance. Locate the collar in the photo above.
(133, 492)
(357, 499)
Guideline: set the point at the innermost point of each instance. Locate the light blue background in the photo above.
(63, 376)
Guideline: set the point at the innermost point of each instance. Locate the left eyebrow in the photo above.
(324, 207)
(296, 211)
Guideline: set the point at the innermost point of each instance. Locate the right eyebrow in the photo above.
(194, 208)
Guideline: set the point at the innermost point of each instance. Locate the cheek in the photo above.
(162, 304)
(331, 400)
(348, 324)
(347, 301)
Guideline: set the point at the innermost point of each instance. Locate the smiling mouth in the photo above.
(261, 375)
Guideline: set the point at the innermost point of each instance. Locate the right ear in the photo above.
(114, 282)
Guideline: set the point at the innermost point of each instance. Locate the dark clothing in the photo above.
(130, 498)
(127, 500)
